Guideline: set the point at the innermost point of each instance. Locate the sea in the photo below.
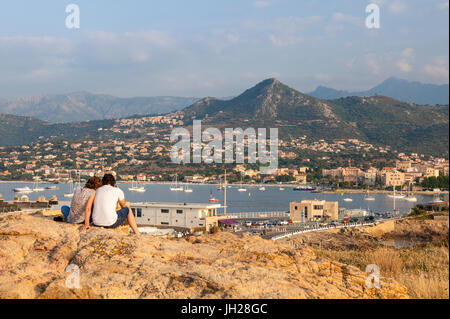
(273, 199)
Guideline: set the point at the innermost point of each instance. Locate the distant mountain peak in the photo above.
(393, 87)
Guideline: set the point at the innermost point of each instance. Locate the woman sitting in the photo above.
(82, 201)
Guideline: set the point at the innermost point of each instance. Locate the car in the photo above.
(283, 222)
(369, 218)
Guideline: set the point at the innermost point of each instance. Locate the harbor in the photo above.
(252, 200)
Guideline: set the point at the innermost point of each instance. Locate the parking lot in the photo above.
(268, 228)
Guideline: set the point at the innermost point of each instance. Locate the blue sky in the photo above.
(217, 48)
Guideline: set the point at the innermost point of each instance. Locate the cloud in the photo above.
(219, 40)
(373, 64)
(404, 66)
(438, 68)
(406, 57)
(127, 47)
(443, 5)
(397, 7)
(289, 31)
(346, 18)
(262, 4)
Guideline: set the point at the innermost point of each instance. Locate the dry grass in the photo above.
(423, 270)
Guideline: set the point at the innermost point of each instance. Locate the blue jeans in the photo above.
(122, 216)
(65, 210)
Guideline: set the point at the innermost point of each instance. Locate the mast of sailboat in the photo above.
(225, 194)
(394, 199)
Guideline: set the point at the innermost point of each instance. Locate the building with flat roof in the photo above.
(312, 210)
(182, 215)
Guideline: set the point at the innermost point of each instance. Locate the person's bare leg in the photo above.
(132, 222)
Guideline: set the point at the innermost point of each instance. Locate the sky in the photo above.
(201, 48)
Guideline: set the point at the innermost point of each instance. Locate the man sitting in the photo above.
(105, 202)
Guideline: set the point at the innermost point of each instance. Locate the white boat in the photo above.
(136, 188)
(411, 198)
(348, 199)
(368, 197)
(262, 188)
(140, 189)
(396, 196)
(281, 188)
(188, 189)
(71, 188)
(36, 188)
(23, 190)
(175, 187)
(51, 187)
(241, 188)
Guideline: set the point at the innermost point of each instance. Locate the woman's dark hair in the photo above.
(93, 183)
(109, 179)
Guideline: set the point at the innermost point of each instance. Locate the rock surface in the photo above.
(35, 252)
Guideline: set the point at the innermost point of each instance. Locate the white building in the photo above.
(182, 215)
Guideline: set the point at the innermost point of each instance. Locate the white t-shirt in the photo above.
(105, 204)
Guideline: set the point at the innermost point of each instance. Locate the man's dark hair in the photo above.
(109, 179)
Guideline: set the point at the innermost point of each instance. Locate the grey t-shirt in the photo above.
(78, 205)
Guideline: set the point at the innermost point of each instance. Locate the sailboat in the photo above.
(368, 197)
(221, 186)
(176, 188)
(241, 188)
(212, 199)
(411, 198)
(71, 190)
(396, 196)
(187, 189)
(136, 188)
(36, 188)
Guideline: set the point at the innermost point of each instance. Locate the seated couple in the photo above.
(99, 199)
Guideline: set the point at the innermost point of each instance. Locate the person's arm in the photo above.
(122, 203)
(87, 214)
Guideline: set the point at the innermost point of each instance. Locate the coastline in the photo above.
(337, 191)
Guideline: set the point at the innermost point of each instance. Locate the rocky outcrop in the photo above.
(35, 252)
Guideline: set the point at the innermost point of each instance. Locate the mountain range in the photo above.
(84, 106)
(402, 90)
(378, 120)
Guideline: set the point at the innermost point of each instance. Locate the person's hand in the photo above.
(85, 227)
